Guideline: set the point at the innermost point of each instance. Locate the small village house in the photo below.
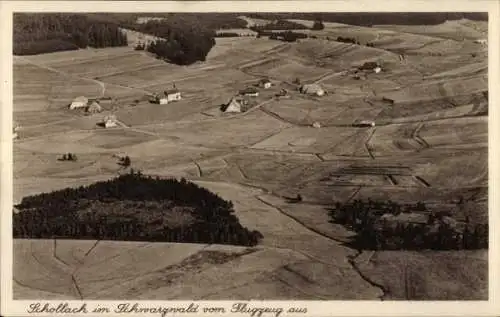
(265, 83)
(312, 89)
(250, 92)
(371, 66)
(94, 107)
(316, 125)
(79, 102)
(110, 121)
(167, 96)
(173, 95)
(234, 105)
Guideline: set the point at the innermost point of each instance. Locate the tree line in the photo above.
(280, 24)
(438, 232)
(287, 36)
(50, 32)
(377, 18)
(65, 213)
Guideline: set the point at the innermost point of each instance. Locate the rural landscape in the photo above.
(277, 156)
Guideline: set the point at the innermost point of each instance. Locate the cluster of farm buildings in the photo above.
(238, 103)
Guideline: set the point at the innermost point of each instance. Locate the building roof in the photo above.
(81, 99)
(171, 91)
(249, 90)
(311, 88)
(234, 105)
(369, 65)
(94, 106)
(265, 81)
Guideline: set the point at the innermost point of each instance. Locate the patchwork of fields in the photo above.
(430, 144)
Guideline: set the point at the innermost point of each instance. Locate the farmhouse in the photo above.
(265, 83)
(250, 91)
(312, 89)
(79, 102)
(166, 97)
(371, 66)
(94, 107)
(481, 41)
(110, 121)
(234, 105)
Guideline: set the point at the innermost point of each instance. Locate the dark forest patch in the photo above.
(133, 207)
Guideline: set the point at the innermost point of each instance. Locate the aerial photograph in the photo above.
(250, 156)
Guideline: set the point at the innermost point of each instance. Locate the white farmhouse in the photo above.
(167, 96)
(110, 121)
(233, 106)
(79, 102)
(265, 83)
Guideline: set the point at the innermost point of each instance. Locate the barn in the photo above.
(312, 89)
(110, 121)
(250, 91)
(172, 95)
(371, 66)
(94, 107)
(166, 97)
(234, 105)
(79, 102)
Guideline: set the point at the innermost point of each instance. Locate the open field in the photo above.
(430, 111)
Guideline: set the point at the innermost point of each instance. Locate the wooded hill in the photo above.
(133, 207)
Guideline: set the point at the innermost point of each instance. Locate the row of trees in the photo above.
(117, 210)
(439, 232)
(377, 18)
(50, 32)
(283, 25)
(68, 157)
(287, 36)
(233, 34)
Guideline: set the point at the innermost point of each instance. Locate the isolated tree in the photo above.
(299, 197)
(318, 25)
(126, 161)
